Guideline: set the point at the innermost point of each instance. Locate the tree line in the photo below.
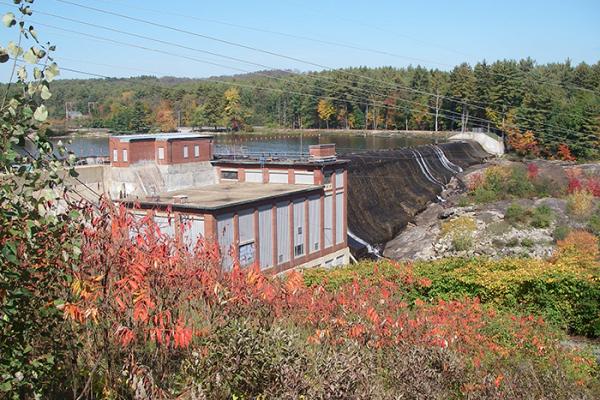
(538, 106)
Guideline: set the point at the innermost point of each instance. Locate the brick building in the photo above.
(163, 149)
(278, 214)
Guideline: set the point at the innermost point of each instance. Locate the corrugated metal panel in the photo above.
(165, 224)
(339, 178)
(304, 178)
(246, 226)
(339, 217)
(283, 233)
(328, 225)
(299, 228)
(255, 176)
(225, 238)
(193, 229)
(265, 233)
(137, 224)
(278, 177)
(314, 223)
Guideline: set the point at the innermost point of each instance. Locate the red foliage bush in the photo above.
(138, 289)
(578, 181)
(532, 171)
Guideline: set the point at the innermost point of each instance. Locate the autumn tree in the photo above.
(326, 110)
(165, 118)
(232, 113)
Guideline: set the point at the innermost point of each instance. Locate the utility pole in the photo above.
(437, 110)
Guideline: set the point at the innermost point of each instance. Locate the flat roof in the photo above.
(222, 195)
(273, 160)
(160, 136)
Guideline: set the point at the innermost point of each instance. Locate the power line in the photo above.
(473, 118)
(290, 58)
(383, 105)
(347, 45)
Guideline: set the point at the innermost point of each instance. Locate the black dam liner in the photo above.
(387, 188)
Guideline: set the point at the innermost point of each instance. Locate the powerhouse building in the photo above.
(274, 212)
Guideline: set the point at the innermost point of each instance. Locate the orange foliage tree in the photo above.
(165, 118)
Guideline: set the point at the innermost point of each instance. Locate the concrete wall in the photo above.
(183, 176)
(491, 145)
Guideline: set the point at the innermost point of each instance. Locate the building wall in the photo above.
(116, 148)
(174, 150)
(141, 150)
(277, 235)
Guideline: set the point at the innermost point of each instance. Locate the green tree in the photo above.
(38, 246)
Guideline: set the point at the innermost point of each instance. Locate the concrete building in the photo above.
(278, 214)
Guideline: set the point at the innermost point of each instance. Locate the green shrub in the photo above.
(462, 242)
(498, 228)
(594, 223)
(542, 217)
(515, 214)
(527, 242)
(519, 185)
(512, 242)
(560, 232)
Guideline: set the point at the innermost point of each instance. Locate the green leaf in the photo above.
(41, 113)
(30, 57)
(9, 19)
(45, 93)
(51, 72)
(13, 49)
(33, 33)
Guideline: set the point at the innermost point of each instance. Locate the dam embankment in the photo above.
(387, 188)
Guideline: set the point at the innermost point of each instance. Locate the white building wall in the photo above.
(166, 225)
(328, 224)
(265, 233)
(278, 177)
(339, 217)
(299, 228)
(314, 223)
(225, 238)
(193, 229)
(304, 178)
(283, 233)
(254, 176)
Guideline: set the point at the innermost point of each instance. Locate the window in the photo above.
(124, 155)
(229, 175)
(299, 250)
(161, 153)
(185, 152)
(196, 150)
(299, 230)
(247, 254)
(115, 155)
(327, 178)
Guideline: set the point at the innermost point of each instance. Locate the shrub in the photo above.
(460, 230)
(563, 290)
(580, 203)
(560, 232)
(515, 214)
(594, 223)
(527, 242)
(542, 217)
(498, 228)
(512, 242)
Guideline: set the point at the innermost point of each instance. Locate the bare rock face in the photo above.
(489, 234)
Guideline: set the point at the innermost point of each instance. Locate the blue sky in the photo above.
(431, 33)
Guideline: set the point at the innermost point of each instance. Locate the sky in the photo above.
(310, 34)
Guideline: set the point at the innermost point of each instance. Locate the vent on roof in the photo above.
(180, 198)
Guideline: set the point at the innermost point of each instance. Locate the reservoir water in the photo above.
(89, 146)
